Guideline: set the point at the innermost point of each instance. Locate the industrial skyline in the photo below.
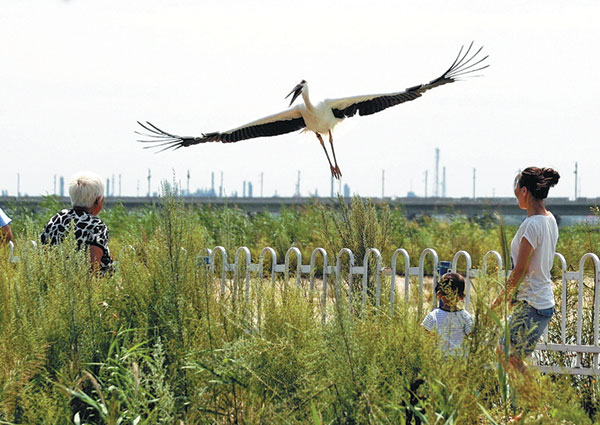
(152, 186)
(206, 186)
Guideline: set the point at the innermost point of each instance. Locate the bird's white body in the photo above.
(319, 118)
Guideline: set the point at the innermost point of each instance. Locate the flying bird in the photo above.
(320, 118)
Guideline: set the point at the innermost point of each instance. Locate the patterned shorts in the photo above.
(526, 326)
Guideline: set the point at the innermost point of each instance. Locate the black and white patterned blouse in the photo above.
(88, 230)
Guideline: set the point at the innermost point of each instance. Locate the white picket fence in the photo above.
(243, 269)
(573, 350)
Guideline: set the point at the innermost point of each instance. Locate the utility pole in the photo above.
(426, 173)
(576, 177)
(437, 172)
(443, 182)
(474, 179)
(382, 183)
(149, 182)
(188, 183)
(212, 184)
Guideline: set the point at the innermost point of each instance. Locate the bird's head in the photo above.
(296, 91)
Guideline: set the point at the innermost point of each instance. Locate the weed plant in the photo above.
(159, 342)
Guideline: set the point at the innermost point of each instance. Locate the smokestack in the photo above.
(332, 186)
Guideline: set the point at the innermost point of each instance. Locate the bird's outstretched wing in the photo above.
(273, 125)
(370, 104)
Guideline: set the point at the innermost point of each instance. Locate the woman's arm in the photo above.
(517, 274)
(95, 256)
(6, 234)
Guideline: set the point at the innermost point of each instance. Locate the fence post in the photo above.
(261, 260)
(298, 265)
(406, 276)
(366, 277)
(421, 275)
(467, 278)
(338, 273)
(498, 258)
(240, 250)
(11, 250)
(313, 258)
(312, 278)
(596, 262)
(563, 301)
(211, 260)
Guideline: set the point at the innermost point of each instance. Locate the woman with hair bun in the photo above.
(532, 252)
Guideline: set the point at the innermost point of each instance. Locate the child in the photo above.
(451, 323)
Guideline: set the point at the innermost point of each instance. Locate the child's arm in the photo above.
(429, 322)
(468, 324)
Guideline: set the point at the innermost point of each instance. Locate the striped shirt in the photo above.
(451, 326)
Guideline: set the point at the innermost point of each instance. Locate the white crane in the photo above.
(320, 118)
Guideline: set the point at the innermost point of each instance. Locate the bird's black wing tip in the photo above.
(159, 138)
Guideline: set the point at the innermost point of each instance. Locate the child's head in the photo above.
(451, 286)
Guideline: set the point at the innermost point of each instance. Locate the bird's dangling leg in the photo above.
(337, 168)
(334, 170)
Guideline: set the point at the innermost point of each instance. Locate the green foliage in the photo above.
(157, 342)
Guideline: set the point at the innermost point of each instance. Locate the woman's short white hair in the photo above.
(84, 188)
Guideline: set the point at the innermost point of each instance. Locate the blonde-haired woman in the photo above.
(86, 191)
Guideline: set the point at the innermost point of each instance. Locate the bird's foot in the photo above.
(335, 172)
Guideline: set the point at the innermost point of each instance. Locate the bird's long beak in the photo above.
(296, 92)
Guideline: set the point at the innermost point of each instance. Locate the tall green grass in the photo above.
(157, 341)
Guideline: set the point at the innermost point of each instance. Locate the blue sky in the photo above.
(76, 76)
